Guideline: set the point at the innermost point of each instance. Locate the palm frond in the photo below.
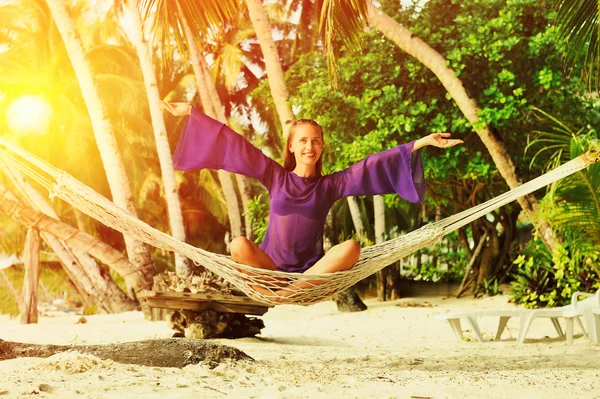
(573, 203)
(577, 21)
(341, 24)
(168, 19)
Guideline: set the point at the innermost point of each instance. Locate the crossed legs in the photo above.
(340, 257)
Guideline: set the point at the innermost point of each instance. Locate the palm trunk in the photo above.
(233, 209)
(383, 289)
(183, 266)
(348, 300)
(31, 259)
(212, 95)
(435, 62)
(276, 80)
(137, 251)
(356, 218)
(219, 110)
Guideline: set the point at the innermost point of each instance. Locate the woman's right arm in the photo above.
(208, 143)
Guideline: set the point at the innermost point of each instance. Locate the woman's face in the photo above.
(306, 145)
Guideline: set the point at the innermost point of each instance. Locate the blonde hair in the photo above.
(289, 160)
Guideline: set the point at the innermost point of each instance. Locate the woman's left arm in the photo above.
(439, 140)
(398, 170)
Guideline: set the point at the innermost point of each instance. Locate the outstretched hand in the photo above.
(178, 109)
(442, 140)
(439, 140)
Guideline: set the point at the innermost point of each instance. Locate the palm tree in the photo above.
(572, 203)
(306, 33)
(346, 19)
(203, 18)
(577, 21)
(264, 33)
(138, 253)
(211, 109)
(33, 41)
(219, 111)
(182, 264)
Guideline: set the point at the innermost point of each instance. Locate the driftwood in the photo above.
(170, 352)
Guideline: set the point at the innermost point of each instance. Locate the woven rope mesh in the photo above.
(272, 287)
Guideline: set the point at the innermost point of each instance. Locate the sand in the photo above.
(392, 350)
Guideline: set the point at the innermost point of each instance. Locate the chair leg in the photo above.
(557, 326)
(524, 324)
(569, 330)
(456, 327)
(501, 327)
(594, 328)
(581, 327)
(472, 321)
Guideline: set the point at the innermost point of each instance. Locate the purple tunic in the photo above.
(299, 206)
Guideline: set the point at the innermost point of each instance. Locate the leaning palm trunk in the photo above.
(70, 245)
(435, 62)
(182, 264)
(138, 252)
(264, 33)
(233, 210)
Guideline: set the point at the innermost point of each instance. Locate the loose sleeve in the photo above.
(208, 143)
(397, 170)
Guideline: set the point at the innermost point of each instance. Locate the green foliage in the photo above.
(490, 286)
(258, 210)
(450, 262)
(543, 280)
(573, 203)
(427, 272)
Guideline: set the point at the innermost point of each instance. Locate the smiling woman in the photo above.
(29, 114)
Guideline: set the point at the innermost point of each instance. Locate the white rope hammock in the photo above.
(272, 287)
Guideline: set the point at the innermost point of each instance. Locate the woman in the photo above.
(300, 195)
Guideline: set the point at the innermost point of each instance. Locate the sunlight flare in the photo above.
(29, 114)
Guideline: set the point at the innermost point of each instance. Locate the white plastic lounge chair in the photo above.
(571, 313)
(470, 319)
(594, 325)
(590, 310)
(526, 317)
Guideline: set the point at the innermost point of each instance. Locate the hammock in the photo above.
(272, 287)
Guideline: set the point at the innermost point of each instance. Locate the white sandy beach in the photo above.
(388, 351)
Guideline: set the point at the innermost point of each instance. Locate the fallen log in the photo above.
(169, 352)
